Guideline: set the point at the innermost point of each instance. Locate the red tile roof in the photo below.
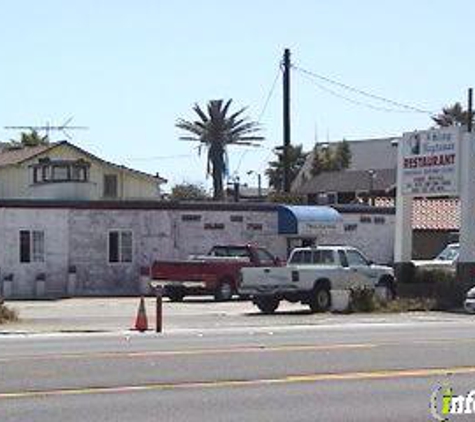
(436, 214)
(431, 214)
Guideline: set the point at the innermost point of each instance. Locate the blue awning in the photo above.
(306, 220)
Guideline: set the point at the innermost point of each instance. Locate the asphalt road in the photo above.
(353, 371)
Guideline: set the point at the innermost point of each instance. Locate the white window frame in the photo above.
(36, 246)
(120, 246)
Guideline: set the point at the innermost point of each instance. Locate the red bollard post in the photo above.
(159, 311)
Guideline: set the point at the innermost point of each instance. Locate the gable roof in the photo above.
(349, 181)
(20, 155)
(376, 154)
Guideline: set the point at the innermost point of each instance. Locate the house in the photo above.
(371, 174)
(61, 170)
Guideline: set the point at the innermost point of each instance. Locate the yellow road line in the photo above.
(191, 352)
(293, 379)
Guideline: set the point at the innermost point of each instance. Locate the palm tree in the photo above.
(452, 116)
(275, 171)
(215, 130)
(29, 139)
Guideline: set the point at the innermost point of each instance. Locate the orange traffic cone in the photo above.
(141, 323)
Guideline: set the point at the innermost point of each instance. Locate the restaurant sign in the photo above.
(429, 162)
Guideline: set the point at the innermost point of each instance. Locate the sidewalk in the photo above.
(118, 315)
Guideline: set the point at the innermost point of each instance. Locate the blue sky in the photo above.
(129, 69)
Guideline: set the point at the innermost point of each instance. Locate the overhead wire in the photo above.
(362, 92)
(263, 110)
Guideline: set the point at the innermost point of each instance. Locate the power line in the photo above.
(364, 93)
(263, 110)
(269, 95)
(161, 157)
(353, 101)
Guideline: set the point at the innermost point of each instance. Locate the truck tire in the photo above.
(175, 294)
(224, 291)
(321, 299)
(267, 304)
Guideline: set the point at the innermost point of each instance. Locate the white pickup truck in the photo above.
(310, 275)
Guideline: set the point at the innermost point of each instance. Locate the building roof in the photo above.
(376, 154)
(436, 214)
(431, 213)
(350, 181)
(20, 155)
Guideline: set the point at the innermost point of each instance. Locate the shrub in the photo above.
(362, 299)
(7, 314)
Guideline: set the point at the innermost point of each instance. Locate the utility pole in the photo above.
(286, 109)
(470, 110)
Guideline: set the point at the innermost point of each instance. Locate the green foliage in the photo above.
(328, 158)
(7, 314)
(453, 115)
(215, 129)
(275, 171)
(188, 192)
(362, 300)
(29, 139)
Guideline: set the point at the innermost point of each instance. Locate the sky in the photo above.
(129, 69)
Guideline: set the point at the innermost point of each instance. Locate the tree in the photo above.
(29, 139)
(188, 192)
(335, 158)
(275, 171)
(453, 115)
(215, 129)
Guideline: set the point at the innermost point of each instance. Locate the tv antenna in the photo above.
(64, 128)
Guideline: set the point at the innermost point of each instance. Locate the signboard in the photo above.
(429, 162)
(311, 229)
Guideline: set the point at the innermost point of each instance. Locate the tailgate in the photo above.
(260, 279)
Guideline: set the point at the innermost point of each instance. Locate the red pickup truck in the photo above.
(216, 273)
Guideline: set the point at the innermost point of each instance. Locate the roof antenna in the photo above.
(47, 128)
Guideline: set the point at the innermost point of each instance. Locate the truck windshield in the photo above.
(313, 257)
(450, 253)
(229, 251)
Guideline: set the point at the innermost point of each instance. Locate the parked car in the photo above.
(311, 274)
(446, 260)
(215, 273)
(469, 303)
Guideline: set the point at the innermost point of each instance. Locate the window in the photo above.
(61, 173)
(355, 259)
(237, 218)
(343, 260)
(351, 227)
(32, 246)
(214, 226)
(265, 257)
(110, 185)
(120, 246)
(191, 217)
(50, 171)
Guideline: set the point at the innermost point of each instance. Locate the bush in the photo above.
(7, 314)
(363, 299)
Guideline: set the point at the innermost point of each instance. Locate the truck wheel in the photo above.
(320, 300)
(267, 304)
(176, 295)
(224, 292)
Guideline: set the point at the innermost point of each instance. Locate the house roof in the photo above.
(436, 214)
(376, 154)
(18, 156)
(349, 181)
(431, 213)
